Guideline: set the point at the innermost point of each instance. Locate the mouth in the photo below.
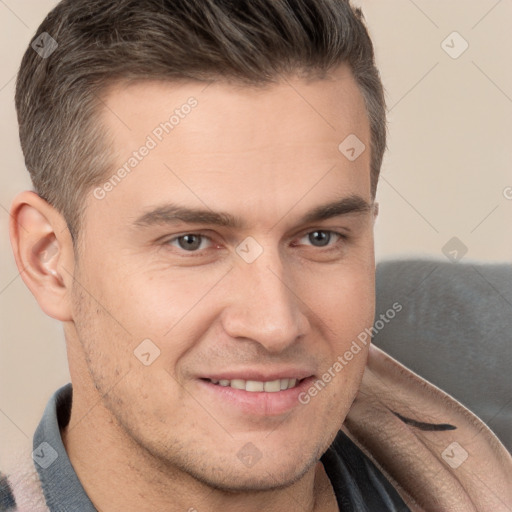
(257, 386)
(255, 398)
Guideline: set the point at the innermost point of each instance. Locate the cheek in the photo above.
(343, 297)
(153, 302)
(343, 306)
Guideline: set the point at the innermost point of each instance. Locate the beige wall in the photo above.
(448, 165)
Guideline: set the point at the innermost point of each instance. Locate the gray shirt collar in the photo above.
(62, 488)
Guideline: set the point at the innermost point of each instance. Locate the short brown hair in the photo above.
(58, 98)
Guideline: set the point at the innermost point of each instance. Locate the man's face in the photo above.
(259, 289)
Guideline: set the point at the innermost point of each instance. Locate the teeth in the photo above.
(238, 384)
(271, 386)
(254, 385)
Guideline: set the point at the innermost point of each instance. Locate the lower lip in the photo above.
(258, 403)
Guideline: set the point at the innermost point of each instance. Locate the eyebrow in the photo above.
(171, 214)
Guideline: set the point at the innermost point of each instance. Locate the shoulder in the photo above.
(20, 487)
(432, 447)
(7, 501)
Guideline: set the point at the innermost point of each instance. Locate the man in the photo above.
(202, 225)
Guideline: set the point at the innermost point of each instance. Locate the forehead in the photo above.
(332, 104)
(236, 146)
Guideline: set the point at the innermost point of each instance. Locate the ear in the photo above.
(43, 250)
(375, 211)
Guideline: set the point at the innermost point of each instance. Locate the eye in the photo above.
(190, 242)
(321, 238)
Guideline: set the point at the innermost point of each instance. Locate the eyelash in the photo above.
(331, 246)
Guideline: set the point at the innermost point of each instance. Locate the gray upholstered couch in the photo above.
(455, 330)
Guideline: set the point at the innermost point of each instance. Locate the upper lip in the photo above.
(260, 375)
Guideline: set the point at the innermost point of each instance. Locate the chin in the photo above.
(263, 479)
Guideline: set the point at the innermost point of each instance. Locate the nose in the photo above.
(263, 306)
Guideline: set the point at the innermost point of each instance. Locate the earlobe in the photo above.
(43, 252)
